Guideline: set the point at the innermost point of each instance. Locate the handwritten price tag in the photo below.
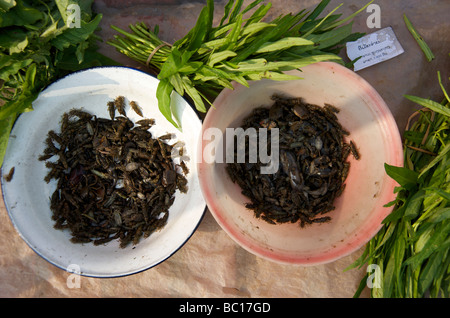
(374, 48)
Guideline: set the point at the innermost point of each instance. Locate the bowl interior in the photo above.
(359, 210)
(27, 195)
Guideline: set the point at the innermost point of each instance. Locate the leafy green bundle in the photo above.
(242, 47)
(38, 44)
(411, 250)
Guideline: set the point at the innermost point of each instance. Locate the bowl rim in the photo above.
(396, 153)
(125, 273)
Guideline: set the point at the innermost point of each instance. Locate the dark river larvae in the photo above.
(114, 179)
(313, 163)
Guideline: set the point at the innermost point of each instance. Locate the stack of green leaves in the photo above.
(242, 47)
(39, 44)
(411, 251)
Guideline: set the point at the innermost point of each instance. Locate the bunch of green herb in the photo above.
(411, 251)
(242, 47)
(38, 44)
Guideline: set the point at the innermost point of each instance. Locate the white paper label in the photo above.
(374, 48)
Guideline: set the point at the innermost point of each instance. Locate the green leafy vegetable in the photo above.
(37, 46)
(242, 47)
(412, 249)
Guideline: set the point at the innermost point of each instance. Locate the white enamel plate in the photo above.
(27, 195)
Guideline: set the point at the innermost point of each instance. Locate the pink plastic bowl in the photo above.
(359, 210)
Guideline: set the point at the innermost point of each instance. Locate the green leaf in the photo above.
(428, 274)
(91, 58)
(395, 215)
(177, 83)
(75, 36)
(436, 160)
(259, 14)
(254, 28)
(233, 36)
(433, 243)
(442, 87)
(220, 56)
(190, 67)
(5, 128)
(393, 267)
(270, 35)
(9, 65)
(13, 39)
(440, 192)
(194, 94)
(322, 21)
(20, 15)
(423, 45)
(175, 61)
(200, 31)
(23, 102)
(440, 215)
(227, 10)
(262, 65)
(277, 76)
(318, 10)
(5, 5)
(330, 38)
(413, 207)
(251, 6)
(340, 22)
(236, 10)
